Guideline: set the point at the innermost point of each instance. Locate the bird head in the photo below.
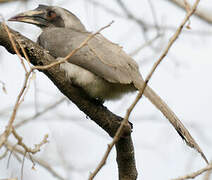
(50, 16)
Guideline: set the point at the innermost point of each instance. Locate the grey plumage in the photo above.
(101, 68)
(110, 66)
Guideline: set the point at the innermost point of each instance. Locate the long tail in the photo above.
(173, 119)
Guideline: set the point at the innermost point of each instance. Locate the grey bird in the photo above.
(101, 68)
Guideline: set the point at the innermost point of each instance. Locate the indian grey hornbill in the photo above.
(101, 68)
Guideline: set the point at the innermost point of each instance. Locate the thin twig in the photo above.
(195, 174)
(27, 149)
(37, 160)
(8, 129)
(3, 87)
(4, 154)
(39, 113)
(24, 52)
(152, 26)
(107, 9)
(22, 165)
(146, 44)
(14, 45)
(208, 174)
(10, 155)
(202, 13)
(154, 16)
(129, 14)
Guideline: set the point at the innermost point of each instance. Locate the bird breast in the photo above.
(94, 86)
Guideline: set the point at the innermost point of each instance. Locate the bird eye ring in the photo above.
(51, 14)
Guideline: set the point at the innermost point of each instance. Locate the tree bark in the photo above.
(96, 111)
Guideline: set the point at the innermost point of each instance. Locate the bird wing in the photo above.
(100, 56)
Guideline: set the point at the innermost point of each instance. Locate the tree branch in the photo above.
(200, 12)
(97, 112)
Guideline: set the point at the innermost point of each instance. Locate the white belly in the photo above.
(93, 85)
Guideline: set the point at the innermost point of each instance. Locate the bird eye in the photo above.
(51, 14)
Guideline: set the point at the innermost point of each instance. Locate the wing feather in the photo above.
(100, 56)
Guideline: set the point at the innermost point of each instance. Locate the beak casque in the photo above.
(32, 17)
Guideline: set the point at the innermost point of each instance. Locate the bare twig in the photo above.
(151, 26)
(27, 149)
(154, 16)
(10, 155)
(141, 23)
(22, 165)
(8, 129)
(146, 44)
(200, 12)
(19, 100)
(52, 106)
(107, 9)
(2, 156)
(14, 46)
(25, 55)
(3, 87)
(195, 174)
(37, 160)
(208, 174)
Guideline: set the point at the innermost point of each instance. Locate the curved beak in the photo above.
(36, 17)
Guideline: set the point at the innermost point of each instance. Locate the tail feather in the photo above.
(173, 119)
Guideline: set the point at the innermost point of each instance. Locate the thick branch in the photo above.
(125, 154)
(98, 113)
